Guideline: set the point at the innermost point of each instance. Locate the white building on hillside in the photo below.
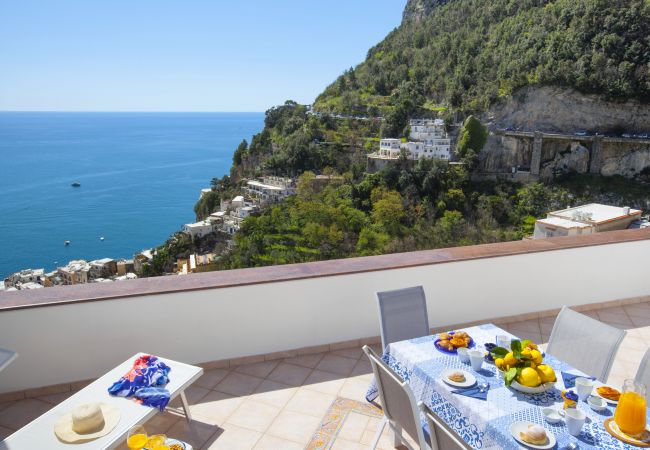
(270, 189)
(24, 277)
(199, 229)
(428, 139)
(586, 219)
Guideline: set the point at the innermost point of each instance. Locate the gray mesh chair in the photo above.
(402, 314)
(643, 373)
(401, 411)
(445, 437)
(573, 331)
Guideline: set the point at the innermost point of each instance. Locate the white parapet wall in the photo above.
(69, 342)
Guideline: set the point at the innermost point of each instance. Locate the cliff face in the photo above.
(557, 109)
(418, 9)
(560, 110)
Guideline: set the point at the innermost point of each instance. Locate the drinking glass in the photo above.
(156, 440)
(630, 414)
(503, 341)
(476, 359)
(137, 438)
(575, 419)
(584, 387)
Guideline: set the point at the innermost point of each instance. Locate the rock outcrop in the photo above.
(418, 9)
(558, 109)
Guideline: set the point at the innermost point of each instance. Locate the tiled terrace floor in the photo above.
(280, 404)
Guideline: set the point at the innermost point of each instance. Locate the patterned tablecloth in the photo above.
(484, 424)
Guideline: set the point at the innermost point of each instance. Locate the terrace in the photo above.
(282, 345)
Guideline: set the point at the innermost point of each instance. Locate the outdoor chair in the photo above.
(585, 343)
(401, 411)
(445, 437)
(643, 373)
(402, 314)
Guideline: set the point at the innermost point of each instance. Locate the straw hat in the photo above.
(87, 422)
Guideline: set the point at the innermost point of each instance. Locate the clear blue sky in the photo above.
(181, 55)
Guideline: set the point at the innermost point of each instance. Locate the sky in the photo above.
(181, 55)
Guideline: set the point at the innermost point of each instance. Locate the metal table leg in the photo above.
(186, 407)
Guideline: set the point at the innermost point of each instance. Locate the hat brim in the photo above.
(65, 433)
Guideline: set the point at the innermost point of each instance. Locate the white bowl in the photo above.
(532, 390)
(597, 403)
(551, 415)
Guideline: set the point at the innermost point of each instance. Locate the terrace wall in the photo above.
(71, 333)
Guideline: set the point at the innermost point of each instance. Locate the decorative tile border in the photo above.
(334, 420)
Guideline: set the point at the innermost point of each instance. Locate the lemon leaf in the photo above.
(499, 352)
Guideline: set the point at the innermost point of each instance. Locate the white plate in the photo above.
(595, 393)
(470, 380)
(532, 390)
(518, 427)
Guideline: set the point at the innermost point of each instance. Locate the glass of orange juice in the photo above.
(155, 441)
(630, 414)
(137, 439)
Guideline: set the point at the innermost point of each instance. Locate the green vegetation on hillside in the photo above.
(466, 54)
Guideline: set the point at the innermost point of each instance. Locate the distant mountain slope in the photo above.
(467, 54)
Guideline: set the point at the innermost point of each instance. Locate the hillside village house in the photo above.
(270, 189)
(231, 214)
(21, 279)
(428, 139)
(586, 219)
(125, 266)
(75, 272)
(141, 259)
(103, 268)
(199, 229)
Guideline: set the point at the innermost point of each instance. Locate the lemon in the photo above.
(546, 373)
(529, 377)
(525, 353)
(537, 356)
(510, 359)
(500, 363)
(533, 365)
(532, 346)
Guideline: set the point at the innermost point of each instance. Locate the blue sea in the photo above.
(140, 175)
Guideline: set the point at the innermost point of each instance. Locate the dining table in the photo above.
(482, 417)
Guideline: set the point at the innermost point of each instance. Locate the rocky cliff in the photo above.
(417, 9)
(558, 109)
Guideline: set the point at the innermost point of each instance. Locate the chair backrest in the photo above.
(442, 437)
(397, 400)
(643, 373)
(585, 343)
(402, 314)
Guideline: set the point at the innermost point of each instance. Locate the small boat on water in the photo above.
(101, 238)
(76, 184)
(66, 243)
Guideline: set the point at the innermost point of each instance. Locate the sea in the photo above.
(140, 176)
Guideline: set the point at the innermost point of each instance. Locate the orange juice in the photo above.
(630, 414)
(156, 440)
(137, 441)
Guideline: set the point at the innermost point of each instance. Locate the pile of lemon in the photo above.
(531, 371)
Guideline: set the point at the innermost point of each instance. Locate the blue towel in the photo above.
(570, 379)
(474, 392)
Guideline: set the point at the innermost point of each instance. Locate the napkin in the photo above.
(474, 392)
(570, 379)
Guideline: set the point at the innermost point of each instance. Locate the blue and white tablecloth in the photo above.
(484, 424)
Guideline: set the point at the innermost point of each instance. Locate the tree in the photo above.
(387, 210)
(242, 148)
(371, 242)
(473, 136)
